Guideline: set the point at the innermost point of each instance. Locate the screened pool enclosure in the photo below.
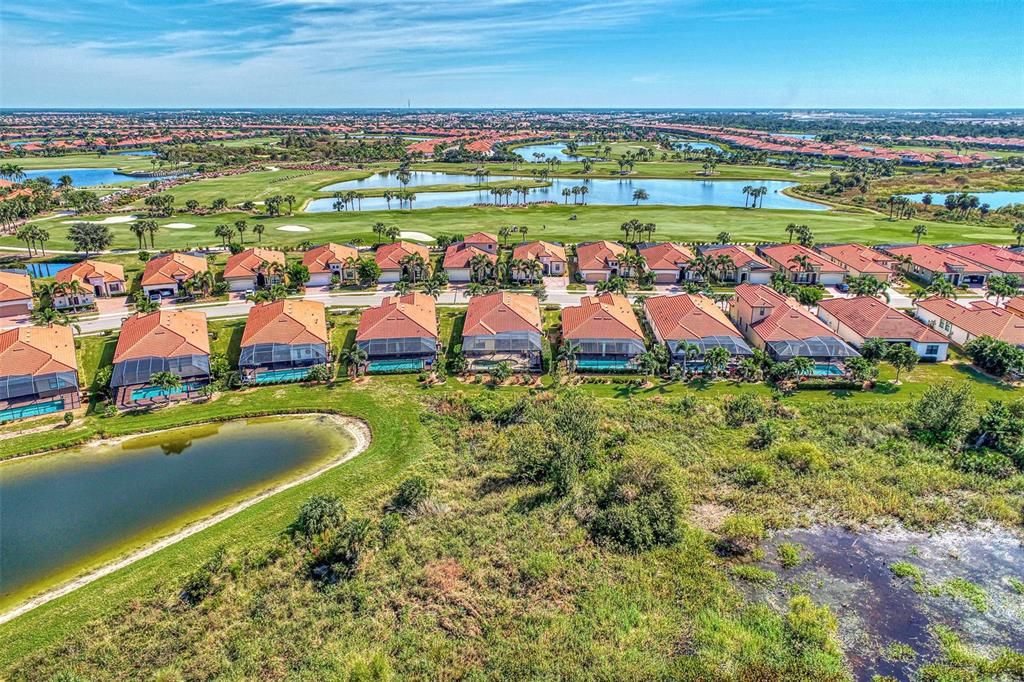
(138, 371)
(736, 346)
(816, 347)
(282, 355)
(419, 347)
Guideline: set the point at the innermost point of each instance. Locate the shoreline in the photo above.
(355, 428)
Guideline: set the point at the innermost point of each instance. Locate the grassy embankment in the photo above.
(500, 576)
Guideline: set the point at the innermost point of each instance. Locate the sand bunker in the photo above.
(180, 226)
(112, 220)
(417, 236)
(293, 228)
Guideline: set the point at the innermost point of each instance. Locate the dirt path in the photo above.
(361, 438)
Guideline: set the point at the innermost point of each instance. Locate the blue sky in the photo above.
(512, 53)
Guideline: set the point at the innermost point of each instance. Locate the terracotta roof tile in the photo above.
(172, 267)
(389, 256)
(607, 316)
(500, 312)
(787, 321)
(248, 263)
(14, 287)
(995, 322)
(665, 256)
(319, 260)
(871, 318)
(785, 253)
(287, 322)
(459, 255)
(37, 350)
(991, 257)
(91, 269)
(537, 249)
(413, 315)
(688, 316)
(933, 259)
(739, 256)
(164, 334)
(596, 255)
(858, 258)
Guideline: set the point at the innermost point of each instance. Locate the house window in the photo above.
(931, 350)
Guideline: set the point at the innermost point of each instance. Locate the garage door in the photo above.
(14, 309)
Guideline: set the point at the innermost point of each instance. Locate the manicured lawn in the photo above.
(93, 160)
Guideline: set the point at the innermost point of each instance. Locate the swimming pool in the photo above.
(35, 410)
(602, 365)
(394, 366)
(149, 392)
(276, 376)
(823, 370)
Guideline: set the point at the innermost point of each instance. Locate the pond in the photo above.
(610, 192)
(88, 177)
(138, 152)
(554, 150)
(961, 579)
(62, 510)
(797, 136)
(44, 269)
(993, 199)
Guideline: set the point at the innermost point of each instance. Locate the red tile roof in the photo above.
(170, 268)
(606, 316)
(1016, 305)
(91, 269)
(287, 322)
(163, 334)
(481, 238)
(871, 318)
(933, 259)
(984, 321)
(688, 316)
(250, 262)
(785, 253)
(596, 255)
(14, 287)
(319, 260)
(991, 257)
(739, 256)
(788, 321)
(859, 258)
(502, 312)
(37, 350)
(459, 255)
(413, 315)
(389, 256)
(535, 250)
(665, 256)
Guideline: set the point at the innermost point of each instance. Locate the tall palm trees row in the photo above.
(35, 238)
(634, 228)
(577, 192)
(755, 193)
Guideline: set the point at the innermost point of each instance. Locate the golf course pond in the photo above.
(993, 199)
(89, 177)
(68, 510)
(607, 192)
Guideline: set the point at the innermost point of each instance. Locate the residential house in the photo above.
(962, 324)
(459, 262)
(859, 260)
(255, 268)
(1016, 305)
(550, 256)
(689, 323)
(328, 260)
(861, 318)
(600, 261)
(995, 259)
(503, 327)
(666, 261)
(400, 334)
(803, 266)
(38, 372)
(15, 294)
(95, 279)
(165, 274)
(928, 263)
(391, 258)
(604, 332)
(485, 241)
(784, 329)
(283, 339)
(744, 266)
(174, 341)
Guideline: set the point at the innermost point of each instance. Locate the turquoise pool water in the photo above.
(31, 410)
(153, 392)
(596, 365)
(276, 376)
(826, 371)
(394, 366)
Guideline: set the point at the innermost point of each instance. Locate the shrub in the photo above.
(944, 414)
(790, 554)
(411, 493)
(205, 581)
(686, 404)
(801, 457)
(529, 452)
(811, 625)
(389, 527)
(319, 373)
(639, 507)
(765, 435)
(68, 418)
(740, 534)
(753, 474)
(986, 462)
(743, 409)
(320, 514)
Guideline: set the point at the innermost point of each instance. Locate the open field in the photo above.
(496, 552)
(93, 160)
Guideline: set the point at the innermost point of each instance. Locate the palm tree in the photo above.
(241, 227)
(639, 195)
(716, 360)
(393, 233)
(432, 288)
(152, 228)
(1018, 230)
(354, 358)
(414, 264)
(290, 200)
(792, 228)
(402, 288)
(257, 230)
(45, 317)
(167, 382)
(724, 237)
(802, 367)
(747, 191)
(65, 182)
(567, 354)
(866, 285)
(566, 193)
(689, 351)
(919, 231)
(139, 230)
(941, 287)
(584, 190)
(378, 230)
